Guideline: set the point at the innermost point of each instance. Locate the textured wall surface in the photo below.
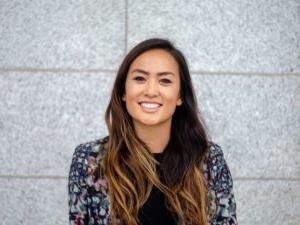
(58, 61)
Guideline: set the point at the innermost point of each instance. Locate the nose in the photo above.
(151, 89)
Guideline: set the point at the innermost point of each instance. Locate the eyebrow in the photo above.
(147, 73)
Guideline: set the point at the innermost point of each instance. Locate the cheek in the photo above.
(132, 93)
(172, 95)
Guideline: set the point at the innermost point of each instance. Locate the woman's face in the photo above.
(152, 88)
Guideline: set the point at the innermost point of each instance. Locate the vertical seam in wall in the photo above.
(126, 25)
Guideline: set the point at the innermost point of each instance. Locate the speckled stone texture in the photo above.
(33, 201)
(220, 35)
(43, 117)
(61, 34)
(58, 61)
(273, 202)
(257, 121)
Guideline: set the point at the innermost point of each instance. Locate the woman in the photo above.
(157, 166)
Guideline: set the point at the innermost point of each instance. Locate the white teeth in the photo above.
(150, 105)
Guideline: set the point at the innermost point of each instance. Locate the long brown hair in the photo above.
(129, 166)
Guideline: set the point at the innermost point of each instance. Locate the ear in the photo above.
(123, 98)
(179, 101)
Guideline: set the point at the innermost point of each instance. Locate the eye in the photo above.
(139, 78)
(166, 81)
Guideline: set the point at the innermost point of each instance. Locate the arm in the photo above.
(77, 189)
(221, 186)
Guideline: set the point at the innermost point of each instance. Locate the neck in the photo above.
(156, 137)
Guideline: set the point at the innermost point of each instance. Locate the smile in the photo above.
(150, 107)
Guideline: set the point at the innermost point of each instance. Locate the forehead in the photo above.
(155, 60)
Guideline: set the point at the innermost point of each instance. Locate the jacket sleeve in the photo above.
(221, 187)
(77, 189)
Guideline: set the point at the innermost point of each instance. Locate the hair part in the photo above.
(129, 166)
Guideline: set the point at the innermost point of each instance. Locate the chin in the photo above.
(152, 122)
(149, 123)
(146, 122)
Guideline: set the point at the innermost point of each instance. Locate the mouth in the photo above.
(150, 106)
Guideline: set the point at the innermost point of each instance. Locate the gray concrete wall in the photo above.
(58, 60)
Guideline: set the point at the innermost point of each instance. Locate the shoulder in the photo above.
(91, 148)
(221, 200)
(213, 156)
(214, 150)
(85, 161)
(216, 170)
(88, 194)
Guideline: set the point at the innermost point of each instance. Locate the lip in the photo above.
(150, 110)
(150, 102)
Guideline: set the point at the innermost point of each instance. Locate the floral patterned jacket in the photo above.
(89, 200)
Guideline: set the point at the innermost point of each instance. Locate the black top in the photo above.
(154, 211)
